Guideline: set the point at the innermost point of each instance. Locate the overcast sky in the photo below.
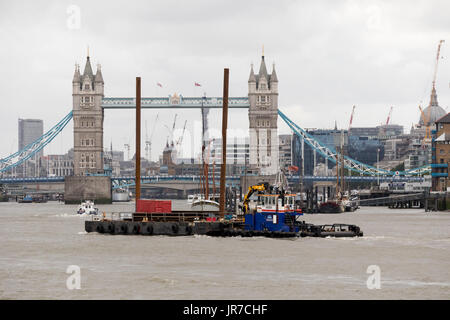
(329, 56)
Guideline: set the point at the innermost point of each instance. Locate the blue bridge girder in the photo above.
(118, 182)
(27, 152)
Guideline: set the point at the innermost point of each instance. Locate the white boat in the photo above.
(87, 207)
(120, 195)
(195, 197)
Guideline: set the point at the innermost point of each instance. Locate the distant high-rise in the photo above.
(29, 131)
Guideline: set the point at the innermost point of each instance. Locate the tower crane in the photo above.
(437, 61)
(148, 141)
(351, 119)
(389, 115)
(180, 139)
(173, 128)
(426, 118)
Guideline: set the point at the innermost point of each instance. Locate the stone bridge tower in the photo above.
(87, 92)
(263, 116)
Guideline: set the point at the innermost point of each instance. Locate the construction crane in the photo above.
(173, 126)
(437, 61)
(433, 87)
(389, 115)
(252, 189)
(148, 141)
(426, 118)
(180, 139)
(351, 119)
(173, 129)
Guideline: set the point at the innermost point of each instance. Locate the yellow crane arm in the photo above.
(251, 190)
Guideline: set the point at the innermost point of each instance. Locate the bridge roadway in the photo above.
(178, 182)
(155, 179)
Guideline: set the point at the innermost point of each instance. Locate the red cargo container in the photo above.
(152, 206)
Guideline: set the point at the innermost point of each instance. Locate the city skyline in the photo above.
(374, 70)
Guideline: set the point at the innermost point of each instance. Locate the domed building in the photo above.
(433, 112)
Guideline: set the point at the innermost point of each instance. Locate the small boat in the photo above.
(331, 230)
(26, 199)
(87, 207)
(120, 195)
(332, 206)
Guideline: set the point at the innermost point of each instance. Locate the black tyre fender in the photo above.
(135, 228)
(100, 228)
(88, 228)
(109, 227)
(114, 228)
(124, 228)
(175, 228)
(189, 229)
(149, 229)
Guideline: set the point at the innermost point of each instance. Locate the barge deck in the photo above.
(188, 224)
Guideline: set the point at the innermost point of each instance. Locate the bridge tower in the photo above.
(87, 92)
(263, 116)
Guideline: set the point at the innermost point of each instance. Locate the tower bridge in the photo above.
(89, 104)
(88, 112)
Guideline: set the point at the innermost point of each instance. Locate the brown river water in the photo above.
(39, 242)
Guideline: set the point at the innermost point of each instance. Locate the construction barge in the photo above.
(215, 229)
(272, 213)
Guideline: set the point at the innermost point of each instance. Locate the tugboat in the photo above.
(273, 210)
(87, 207)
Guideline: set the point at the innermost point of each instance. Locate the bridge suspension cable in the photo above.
(31, 149)
(349, 163)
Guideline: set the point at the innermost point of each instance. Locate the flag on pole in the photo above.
(159, 84)
(197, 84)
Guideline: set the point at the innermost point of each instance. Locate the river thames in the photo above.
(411, 248)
